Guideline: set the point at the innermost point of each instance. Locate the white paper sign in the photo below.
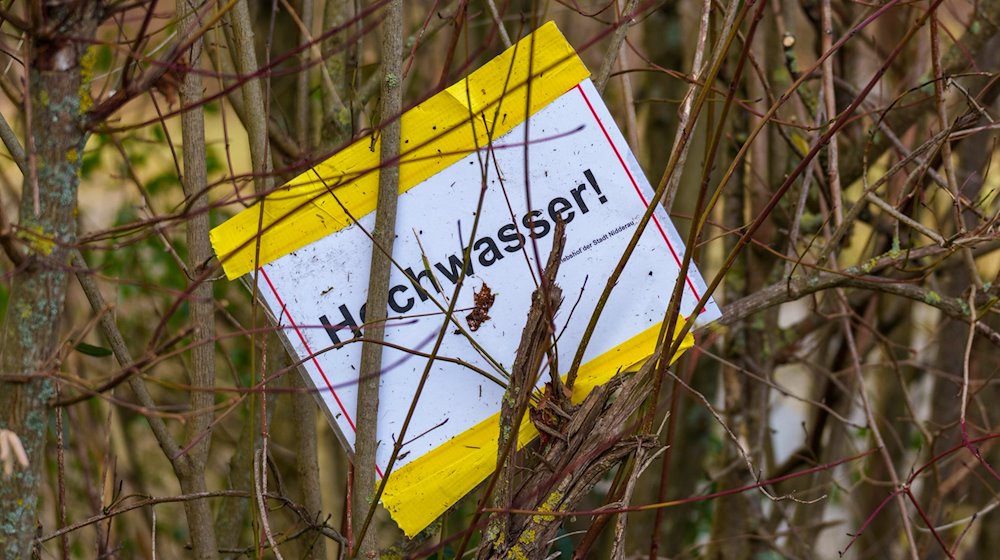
(578, 168)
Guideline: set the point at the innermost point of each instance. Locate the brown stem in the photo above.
(202, 308)
(366, 437)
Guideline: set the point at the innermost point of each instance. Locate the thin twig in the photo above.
(260, 490)
(366, 436)
(122, 354)
(890, 467)
(946, 155)
(830, 103)
(13, 145)
(614, 48)
(700, 76)
(968, 359)
(889, 209)
(499, 23)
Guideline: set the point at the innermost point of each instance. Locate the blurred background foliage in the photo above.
(778, 384)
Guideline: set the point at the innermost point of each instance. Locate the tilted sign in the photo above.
(489, 164)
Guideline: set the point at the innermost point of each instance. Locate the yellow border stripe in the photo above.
(435, 134)
(421, 491)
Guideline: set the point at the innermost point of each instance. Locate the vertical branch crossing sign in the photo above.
(487, 168)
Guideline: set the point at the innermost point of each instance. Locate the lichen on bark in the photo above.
(29, 340)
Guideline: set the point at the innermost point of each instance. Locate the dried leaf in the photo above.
(483, 301)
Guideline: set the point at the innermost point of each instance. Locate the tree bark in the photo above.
(191, 468)
(366, 438)
(29, 345)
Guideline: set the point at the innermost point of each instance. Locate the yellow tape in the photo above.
(435, 134)
(421, 491)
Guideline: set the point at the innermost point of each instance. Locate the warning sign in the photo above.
(489, 167)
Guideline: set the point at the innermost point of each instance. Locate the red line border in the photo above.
(312, 356)
(638, 191)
